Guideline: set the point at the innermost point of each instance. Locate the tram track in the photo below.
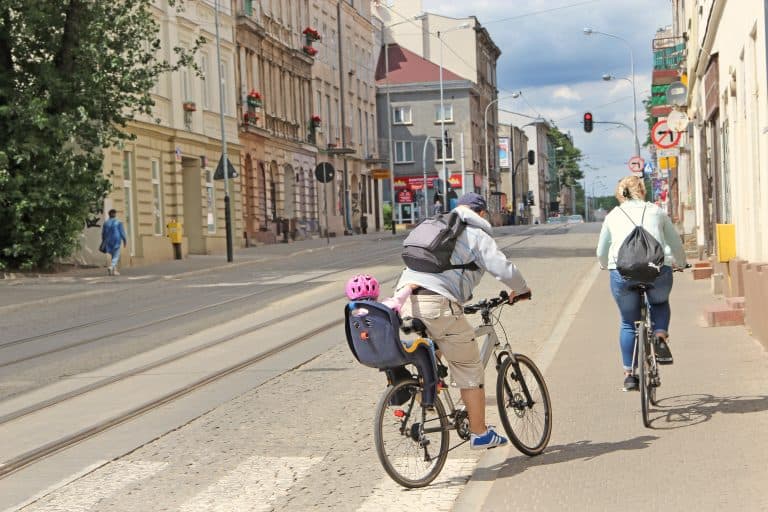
(46, 449)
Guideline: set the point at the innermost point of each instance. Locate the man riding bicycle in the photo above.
(437, 300)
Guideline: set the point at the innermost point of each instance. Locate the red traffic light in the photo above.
(588, 122)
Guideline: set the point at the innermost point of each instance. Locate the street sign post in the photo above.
(636, 165)
(663, 136)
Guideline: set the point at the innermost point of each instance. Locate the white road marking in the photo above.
(84, 494)
(437, 496)
(221, 285)
(253, 485)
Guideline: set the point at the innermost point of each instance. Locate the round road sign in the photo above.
(663, 136)
(636, 165)
(324, 172)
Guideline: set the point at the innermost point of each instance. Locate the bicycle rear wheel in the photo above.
(644, 374)
(411, 440)
(527, 419)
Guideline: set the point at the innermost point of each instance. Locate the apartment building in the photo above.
(465, 47)
(514, 179)
(275, 54)
(726, 143)
(344, 103)
(166, 172)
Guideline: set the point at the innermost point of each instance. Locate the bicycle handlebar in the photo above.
(489, 304)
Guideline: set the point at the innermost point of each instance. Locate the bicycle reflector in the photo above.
(588, 121)
(399, 413)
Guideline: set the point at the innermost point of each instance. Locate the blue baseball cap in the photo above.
(474, 201)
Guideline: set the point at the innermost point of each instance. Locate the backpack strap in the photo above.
(464, 266)
(630, 218)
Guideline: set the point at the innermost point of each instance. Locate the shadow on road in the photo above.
(550, 252)
(557, 454)
(688, 410)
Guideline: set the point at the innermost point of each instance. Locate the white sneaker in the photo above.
(115, 272)
(109, 271)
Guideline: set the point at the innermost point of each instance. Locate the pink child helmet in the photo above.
(362, 286)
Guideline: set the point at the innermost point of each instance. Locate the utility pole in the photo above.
(224, 155)
(347, 216)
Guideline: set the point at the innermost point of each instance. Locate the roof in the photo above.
(406, 67)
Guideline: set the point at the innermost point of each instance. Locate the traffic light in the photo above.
(587, 122)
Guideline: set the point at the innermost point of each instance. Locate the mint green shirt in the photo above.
(617, 226)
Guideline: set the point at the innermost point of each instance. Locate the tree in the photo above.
(567, 159)
(73, 73)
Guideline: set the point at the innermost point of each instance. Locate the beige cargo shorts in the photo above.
(455, 337)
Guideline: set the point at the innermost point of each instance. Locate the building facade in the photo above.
(416, 127)
(274, 99)
(514, 177)
(723, 161)
(167, 172)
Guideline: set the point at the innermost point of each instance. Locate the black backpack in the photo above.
(641, 256)
(428, 248)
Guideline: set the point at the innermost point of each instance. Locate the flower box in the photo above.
(309, 50)
(253, 99)
(189, 106)
(250, 118)
(316, 121)
(311, 34)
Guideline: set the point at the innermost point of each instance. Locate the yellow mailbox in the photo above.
(174, 231)
(726, 242)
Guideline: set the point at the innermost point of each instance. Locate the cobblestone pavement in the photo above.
(303, 441)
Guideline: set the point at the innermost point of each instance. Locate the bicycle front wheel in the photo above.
(524, 405)
(411, 440)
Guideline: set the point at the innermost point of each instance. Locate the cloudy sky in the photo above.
(546, 55)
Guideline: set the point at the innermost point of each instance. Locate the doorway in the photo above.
(193, 192)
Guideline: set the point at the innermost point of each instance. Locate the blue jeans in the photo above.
(628, 302)
(115, 257)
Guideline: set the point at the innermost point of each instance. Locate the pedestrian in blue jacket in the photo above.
(112, 234)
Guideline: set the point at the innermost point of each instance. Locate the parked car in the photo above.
(556, 220)
(575, 219)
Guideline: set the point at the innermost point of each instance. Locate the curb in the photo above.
(76, 295)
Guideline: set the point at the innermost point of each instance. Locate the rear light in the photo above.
(399, 413)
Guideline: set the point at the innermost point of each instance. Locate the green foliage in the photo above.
(72, 75)
(567, 159)
(387, 213)
(607, 203)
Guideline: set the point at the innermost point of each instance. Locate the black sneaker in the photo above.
(631, 383)
(663, 354)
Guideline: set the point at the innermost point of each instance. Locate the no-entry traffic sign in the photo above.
(663, 136)
(636, 165)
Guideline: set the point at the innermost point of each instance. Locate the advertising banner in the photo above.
(504, 152)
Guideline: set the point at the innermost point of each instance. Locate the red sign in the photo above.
(405, 196)
(417, 182)
(663, 136)
(636, 165)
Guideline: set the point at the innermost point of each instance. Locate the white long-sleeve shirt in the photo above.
(617, 226)
(475, 244)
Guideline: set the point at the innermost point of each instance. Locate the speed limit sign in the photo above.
(664, 136)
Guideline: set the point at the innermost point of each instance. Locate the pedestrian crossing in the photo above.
(258, 484)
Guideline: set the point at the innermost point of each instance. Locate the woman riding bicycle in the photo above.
(618, 224)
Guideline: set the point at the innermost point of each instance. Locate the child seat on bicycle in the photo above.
(373, 336)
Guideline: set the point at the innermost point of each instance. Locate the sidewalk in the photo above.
(706, 450)
(21, 290)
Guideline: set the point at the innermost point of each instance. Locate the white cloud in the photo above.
(565, 92)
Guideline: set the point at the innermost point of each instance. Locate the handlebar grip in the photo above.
(523, 296)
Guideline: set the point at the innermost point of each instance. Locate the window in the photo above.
(448, 113)
(401, 115)
(186, 88)
(439, 150)
(225, 87)
(157, 198)
(204, 84)
(211, 201)
(128, 196)
(248, 7)
(403, 151)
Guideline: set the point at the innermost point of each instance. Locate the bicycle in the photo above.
(647, 367)
(412, 437)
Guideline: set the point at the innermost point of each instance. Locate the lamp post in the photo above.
(442, 111)
(224, 155)
(514, 95)
(390, 149)
(589, 32)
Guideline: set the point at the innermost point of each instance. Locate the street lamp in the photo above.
(390, 149)
(224, 155)
(514, 95)
(588, 32)
(442, 110)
